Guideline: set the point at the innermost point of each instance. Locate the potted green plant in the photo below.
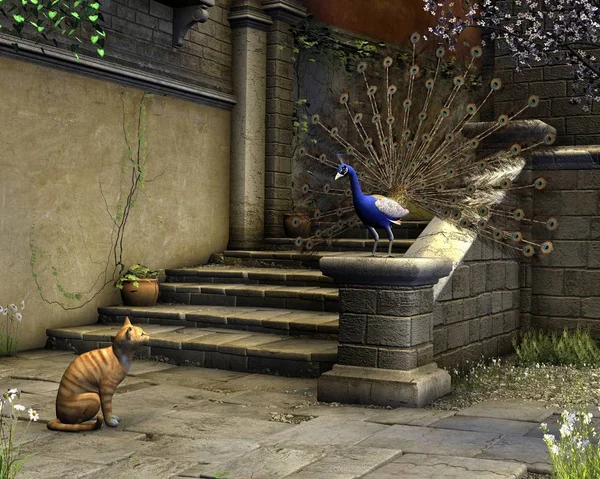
(139, 286)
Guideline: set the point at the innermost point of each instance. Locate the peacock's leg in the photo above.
(391, 238)
(375, 236)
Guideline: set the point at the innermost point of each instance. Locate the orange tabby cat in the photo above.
(91, 380)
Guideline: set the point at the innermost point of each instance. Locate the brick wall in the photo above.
(478, 311)
(139, 34)
(566, 283)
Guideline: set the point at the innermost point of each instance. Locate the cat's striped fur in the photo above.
(90, 381)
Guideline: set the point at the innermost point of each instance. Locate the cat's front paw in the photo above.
(116, 417)
(112, 422)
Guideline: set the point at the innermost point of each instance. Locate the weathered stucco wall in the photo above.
(61, 157)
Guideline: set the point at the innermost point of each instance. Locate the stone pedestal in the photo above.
(249, 25)
(385, 350)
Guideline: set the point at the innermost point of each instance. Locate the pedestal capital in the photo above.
(395, 272)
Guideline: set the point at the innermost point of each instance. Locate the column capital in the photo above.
(248, 14)
(289, 11)
(394, 272)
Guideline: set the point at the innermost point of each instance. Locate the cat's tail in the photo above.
(56, 425)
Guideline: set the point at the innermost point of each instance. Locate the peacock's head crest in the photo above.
(342, 171)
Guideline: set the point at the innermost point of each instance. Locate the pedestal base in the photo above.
(383, 387)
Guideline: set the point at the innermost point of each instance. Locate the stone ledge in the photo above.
(566, 158)
(366, 271)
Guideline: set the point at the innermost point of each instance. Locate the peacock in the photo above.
(412, 152)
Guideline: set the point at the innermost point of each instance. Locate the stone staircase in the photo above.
(269, 311)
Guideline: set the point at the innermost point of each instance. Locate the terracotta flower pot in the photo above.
(145, 294)
(296, 224)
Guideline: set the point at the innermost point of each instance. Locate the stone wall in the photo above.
(566, 283)
(553, 84)
(280, 109)
(139, 35)
(477, 312)
(64, 164)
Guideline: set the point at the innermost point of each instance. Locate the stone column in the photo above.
(280, 109)
(249, 26)
(385, 349)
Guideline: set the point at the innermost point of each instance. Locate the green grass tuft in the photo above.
(575, 348)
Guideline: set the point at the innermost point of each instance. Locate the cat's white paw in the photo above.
(112, 422)
(116, 417)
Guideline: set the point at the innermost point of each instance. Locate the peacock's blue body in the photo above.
(373, 210)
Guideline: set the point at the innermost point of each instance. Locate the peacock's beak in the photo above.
(338, 176)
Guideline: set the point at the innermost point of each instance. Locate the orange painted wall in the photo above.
(388, 20)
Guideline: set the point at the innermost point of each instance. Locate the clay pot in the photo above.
(146, 294)
(296, 224)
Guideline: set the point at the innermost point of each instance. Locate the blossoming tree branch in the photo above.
(551, 32)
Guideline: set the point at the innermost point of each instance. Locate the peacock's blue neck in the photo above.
(355, 185)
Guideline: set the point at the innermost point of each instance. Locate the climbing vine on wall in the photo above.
(51, 18)
(133, 179)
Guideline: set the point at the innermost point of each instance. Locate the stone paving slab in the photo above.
(213, 451)
(514, 410)
(445, 442)
(142, 468)
(349, 463)
(426, 466)
(265, 462)
(266, 382)
(51, 467)
(325, 432)
(196, 425)
(410, 416)
(269, 399)
(485, 424)
(528, 450)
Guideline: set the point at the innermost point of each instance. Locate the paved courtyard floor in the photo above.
(189, 422)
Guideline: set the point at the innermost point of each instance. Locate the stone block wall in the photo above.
(139, 35)
(279, 133)
(139, 32)
(554, 85)
(478, 312)
(566, 284)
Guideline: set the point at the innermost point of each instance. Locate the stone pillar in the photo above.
(385, 350)
(249, 26)
(280, 110)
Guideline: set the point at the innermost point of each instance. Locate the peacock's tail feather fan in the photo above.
(407, 143)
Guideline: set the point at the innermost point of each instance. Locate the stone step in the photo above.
(348, 244)
(247, 275)
(212, 348)
(253, 295)
(268, 320)
(285, 258)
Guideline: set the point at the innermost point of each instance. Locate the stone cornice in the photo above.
(288, 11)
(382, 271)
(248, 14)
(50, 56)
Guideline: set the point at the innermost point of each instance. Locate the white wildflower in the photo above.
(13, 307)
(19, 316)
(554, 449)
(565, 430)
(22, 305)
(33, 415)
(19, 407)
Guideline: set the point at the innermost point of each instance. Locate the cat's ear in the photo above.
(126, 323)
(128, 333)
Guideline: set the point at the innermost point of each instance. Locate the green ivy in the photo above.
(65, 18)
